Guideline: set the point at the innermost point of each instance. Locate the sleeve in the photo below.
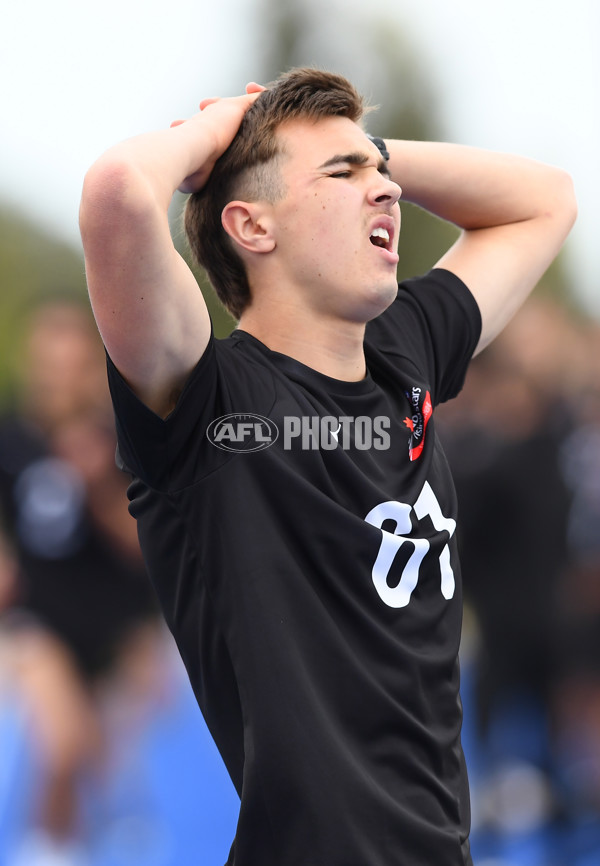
(147, 443)
(174, 452)
(434, 323)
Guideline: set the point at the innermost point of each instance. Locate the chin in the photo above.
(381, 297)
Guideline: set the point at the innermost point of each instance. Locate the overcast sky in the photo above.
(517, 75)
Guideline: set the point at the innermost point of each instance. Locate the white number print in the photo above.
(391, 542)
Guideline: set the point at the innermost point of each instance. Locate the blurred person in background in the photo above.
(503, 437)
(576, 698)
(80, 609)
(507, 437)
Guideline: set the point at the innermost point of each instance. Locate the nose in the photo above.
(384, 191)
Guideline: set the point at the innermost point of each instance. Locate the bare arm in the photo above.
(515, 214)
(147, 304)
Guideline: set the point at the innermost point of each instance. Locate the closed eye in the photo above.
(383, 171)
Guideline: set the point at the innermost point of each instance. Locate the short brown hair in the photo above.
(248, 170)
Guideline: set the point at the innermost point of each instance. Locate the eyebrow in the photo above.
(355, 158)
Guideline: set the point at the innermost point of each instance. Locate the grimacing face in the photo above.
(338, 223)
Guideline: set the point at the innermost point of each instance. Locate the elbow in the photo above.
(113, 191)
(564, 204)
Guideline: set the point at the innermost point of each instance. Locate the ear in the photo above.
(249, 225)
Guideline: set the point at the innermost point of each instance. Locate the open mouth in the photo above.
(380, 237)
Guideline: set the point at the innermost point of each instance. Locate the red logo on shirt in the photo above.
(422, 410)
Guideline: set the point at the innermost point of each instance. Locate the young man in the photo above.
(295, 509)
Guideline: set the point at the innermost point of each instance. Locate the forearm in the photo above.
(476, 188)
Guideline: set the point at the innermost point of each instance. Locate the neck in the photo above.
(333, 347)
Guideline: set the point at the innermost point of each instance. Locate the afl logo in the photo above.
(242, 432)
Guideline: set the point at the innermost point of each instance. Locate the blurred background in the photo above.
(104, 758)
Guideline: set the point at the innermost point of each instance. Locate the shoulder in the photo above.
(439, 294)
(232, 376)
(435, 322)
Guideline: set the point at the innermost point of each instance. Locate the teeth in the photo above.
(381, 233)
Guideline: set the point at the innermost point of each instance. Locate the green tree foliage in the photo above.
(34, 266)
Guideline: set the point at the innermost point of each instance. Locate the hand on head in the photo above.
(223, 121)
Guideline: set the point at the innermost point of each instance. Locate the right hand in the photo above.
(220, 119)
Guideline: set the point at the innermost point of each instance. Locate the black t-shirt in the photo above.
(313, 588)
